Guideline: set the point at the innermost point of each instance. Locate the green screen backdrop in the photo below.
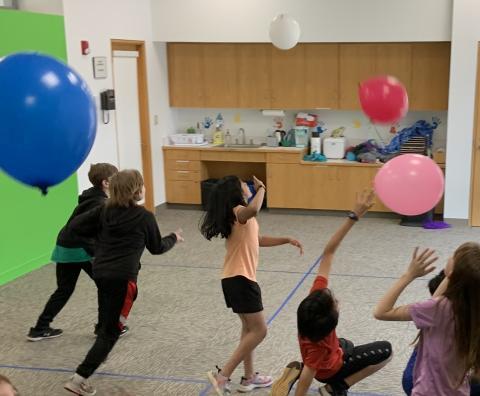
(29, 222)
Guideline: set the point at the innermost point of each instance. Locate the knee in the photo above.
(261, 331)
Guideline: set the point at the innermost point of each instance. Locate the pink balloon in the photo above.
(410, 184)
(384, 99)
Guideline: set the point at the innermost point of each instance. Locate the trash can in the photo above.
(206, 188)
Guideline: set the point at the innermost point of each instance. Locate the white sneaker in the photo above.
(257, 381)
(219, 383)
(80, 386)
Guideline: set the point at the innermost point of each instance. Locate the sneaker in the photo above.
(335, 392)
(80, 386)
(290, 375)
(257, 381)
(124, 331)
(38, 335)
(220, 384)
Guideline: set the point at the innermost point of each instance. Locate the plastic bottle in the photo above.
(315, 143)
(228, 138)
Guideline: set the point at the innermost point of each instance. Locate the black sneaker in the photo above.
(124, 331)
(38, 335)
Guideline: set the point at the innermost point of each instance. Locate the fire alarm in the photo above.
(85, 47)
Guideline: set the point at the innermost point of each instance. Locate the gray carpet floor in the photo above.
(180, 327)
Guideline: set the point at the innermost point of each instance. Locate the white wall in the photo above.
(99, 21)
(42, 6)
(257, 126)
(320, 20)
(465, 38)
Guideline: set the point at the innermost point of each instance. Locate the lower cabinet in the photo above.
(183, 192)
(327, 187)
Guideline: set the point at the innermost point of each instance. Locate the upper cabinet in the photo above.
(309, 76)
(430, 76)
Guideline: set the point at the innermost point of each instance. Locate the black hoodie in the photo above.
(121, 236)
(87, 200)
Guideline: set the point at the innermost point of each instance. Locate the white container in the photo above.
(187, 138)
(315, 143)
(334, 148)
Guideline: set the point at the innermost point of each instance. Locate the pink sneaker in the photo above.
(257, 381)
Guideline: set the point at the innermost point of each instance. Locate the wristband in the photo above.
(353, 216)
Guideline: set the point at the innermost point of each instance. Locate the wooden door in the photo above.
(357, 63)
(220, 75)
(288, 78)
(186, 74)
(395, 59)
(475, 175)
(321, 76)
(430, 76)
(254, 82)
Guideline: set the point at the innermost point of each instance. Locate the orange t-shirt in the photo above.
(242, 249)
(325, 356)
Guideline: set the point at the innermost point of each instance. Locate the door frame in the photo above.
(474, 215)
(145, 142)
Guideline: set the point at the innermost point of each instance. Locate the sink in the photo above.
(240, 145)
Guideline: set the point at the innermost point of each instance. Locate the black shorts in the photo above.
(242, 295)
(356, 358)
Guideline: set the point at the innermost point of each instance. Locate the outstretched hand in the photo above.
(179, 235)
(421, 264)
(297, 244)
(364, 202)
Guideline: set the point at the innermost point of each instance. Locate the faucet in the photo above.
(241, 132)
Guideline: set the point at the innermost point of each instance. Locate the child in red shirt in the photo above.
(333, 361)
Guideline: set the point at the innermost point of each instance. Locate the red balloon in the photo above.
(384, 99)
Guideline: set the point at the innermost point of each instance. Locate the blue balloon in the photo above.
(48, 119)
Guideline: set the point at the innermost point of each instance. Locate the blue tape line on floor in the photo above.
(282, 305)
(106, 374)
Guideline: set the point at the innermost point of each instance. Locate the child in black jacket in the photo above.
(122, 230)
(73, 253)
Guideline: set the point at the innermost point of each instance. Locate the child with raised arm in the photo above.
(335, 362)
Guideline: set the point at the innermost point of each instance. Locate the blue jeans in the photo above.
(407, 379)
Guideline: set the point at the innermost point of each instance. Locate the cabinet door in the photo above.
(357, 63)
(288, 78)
(395, 60)
(430, 76)
(183, 192)
(321, 76)
(220, 75)
(287, 186)
(186, 75)
(254, 81)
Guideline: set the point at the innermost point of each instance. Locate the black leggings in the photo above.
(67, 276)
(112, 294)
(356, 358)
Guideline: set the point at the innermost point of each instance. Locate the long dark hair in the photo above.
(219, 218)
(463, 291)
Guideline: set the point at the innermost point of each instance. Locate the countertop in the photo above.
(262, 149)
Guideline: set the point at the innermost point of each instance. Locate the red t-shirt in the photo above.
(325, 356)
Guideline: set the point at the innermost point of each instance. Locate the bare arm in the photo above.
(255, 205)
(364, 202)
(268, 241)
(305, 380)
(420, 265)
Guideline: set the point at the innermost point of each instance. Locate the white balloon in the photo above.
(284, 32)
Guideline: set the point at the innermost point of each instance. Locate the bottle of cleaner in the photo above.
(315, 143)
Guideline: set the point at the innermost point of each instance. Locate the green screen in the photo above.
(29, 222)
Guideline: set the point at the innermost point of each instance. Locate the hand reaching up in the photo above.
(364, 202)
(421, 264)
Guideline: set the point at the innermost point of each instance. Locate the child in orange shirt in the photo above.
(229, 216)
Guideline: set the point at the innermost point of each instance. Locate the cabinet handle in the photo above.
(183, 172)
(182, 161)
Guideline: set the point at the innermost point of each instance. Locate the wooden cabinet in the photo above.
(186, 75)
(357, 63)
(310, 186)
(254, 78)
(430, 76)
(321, 76)
(182, 176)
(219, 75)
(361, 61)
(308, 76)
